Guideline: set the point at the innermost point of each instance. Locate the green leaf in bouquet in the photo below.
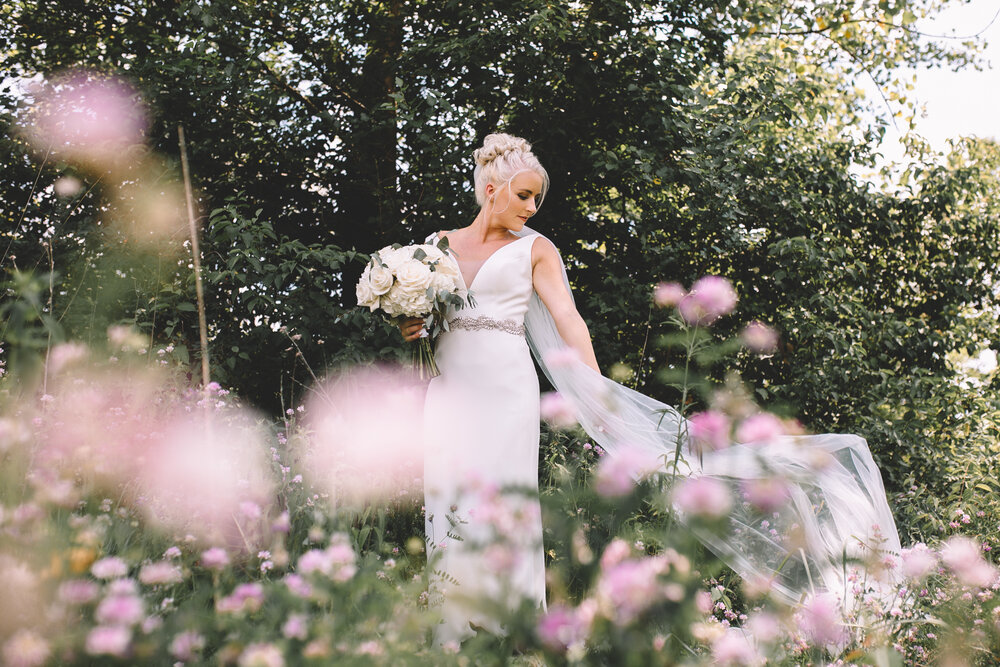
(419, 254)
(430, 294)
(443, 244)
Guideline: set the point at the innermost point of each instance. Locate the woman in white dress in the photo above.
(481, 430)
(481, 414)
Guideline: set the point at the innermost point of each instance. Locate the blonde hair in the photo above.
(502, 157)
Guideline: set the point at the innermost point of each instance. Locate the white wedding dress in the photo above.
(481, 428)
(481, 433)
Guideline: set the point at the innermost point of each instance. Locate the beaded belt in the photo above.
(482, 323)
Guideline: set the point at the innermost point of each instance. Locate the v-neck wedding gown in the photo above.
(481, 430)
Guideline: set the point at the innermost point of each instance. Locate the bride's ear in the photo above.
(490, 191)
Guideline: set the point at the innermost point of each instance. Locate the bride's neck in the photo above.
(484, 232)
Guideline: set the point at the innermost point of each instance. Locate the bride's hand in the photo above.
(411, 328)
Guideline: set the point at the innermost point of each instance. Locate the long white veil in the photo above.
(836, 510)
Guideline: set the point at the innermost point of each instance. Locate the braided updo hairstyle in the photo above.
(502, 157)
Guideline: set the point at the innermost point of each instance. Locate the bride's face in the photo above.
(512, 205)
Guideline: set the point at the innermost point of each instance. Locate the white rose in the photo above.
(449, 267)
(393, 258)
(412, 302)
(414, 275)
(441, 282)
(366, 295)
(380, 278)
(432, 251)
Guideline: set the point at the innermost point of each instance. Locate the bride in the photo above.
(481, 428)
(482, 413)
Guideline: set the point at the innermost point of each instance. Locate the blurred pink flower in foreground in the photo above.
(760, 338)
(766, 493)
(556, 410)
(732, 648)
(204, 470)
(261, 655)
(561, 627)
(617, 475)
(963, 556)
(710, 298)
(710, 430)
(760, 429)
(113, 640)
(918, 561)
(702, 497)
(111, 567)
(25, 649)
(629, 587)
(367, 435)
(667, 295)
(86, 118)
(617, 551)
(561, 357)
(214, 559)
(820, 620)
(187, 645)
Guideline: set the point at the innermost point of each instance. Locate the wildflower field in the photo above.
(209, 454)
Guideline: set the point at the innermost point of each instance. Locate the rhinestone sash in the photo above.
(483, 322)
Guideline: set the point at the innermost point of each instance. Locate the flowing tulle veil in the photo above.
(836, 511)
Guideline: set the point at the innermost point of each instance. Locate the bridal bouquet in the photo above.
(414, 281)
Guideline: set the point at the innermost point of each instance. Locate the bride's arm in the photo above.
(548, 282)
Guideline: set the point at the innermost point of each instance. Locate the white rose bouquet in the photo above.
(414, 281)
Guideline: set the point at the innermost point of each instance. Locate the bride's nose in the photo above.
(531, 206)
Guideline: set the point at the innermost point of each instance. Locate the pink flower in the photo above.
(65, 354)
(500, 558)
(187, 645)
(78, 591)
(963, 556)
(113, 640)
(732, 648)
(617, 551)
(109, 568)
(764, 626)
(820, 620)
(245, 598)
(703, 602)
(337, 561)
(561, 627)
(297, 585)
(261, 655)
(617, 475)
(154, 574)
(667, 295)
(703, 497)
(88, 119)
(766, 494)
(119, 610)
(25, 649)
(760, 429)
(561, 357)
(760, 338)
(377, 407)
(557, 411)
(710, 430)
(710, 298)
(918, 561)
(296, 627)
(628, 588)
(214, 559)
(250, 510)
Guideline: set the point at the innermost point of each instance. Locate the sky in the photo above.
(960, 103)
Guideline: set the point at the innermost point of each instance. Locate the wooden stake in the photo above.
(196, 254)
